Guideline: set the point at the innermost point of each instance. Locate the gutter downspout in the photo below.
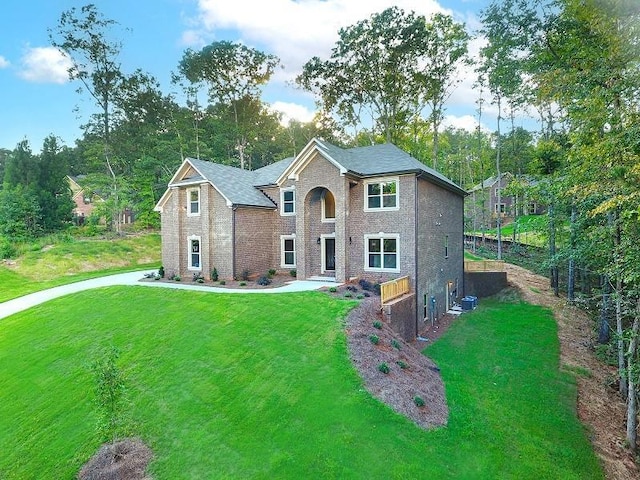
(415, 256)
(233, 241)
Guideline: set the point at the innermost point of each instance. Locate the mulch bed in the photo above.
(125, 459)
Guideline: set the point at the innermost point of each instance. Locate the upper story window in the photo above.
(381, 194)
(382, 253)
(328, 207)
(193, 207)
(287, 201)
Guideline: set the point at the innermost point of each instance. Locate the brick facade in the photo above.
(426, 220)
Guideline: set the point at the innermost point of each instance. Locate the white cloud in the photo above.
(45, 65)
(4, 63)
(292, 111)
(464, 122)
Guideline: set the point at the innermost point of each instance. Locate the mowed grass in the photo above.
(260, 386)
(46, 266)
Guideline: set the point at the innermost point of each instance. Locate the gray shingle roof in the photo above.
(241, 187)
(233, 183)
(384, 159)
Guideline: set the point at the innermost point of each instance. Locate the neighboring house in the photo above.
(85, 202)
(373, 213)
(483, 198)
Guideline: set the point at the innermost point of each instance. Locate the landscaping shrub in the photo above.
(293, 272)
(272, 272)
(418, 401)
(244, 276)
(263, 280)
(360, 296)
(333, 289)
(348, 294)
(161, 272)
(402, 364)
(222, 282)
(384, 368)
(197, 277)
(365, 284)
(242, 284)
(377, 324)
(214, 274)
(374, 339)
(395, 344)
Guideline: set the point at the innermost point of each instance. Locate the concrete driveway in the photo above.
(133, 278)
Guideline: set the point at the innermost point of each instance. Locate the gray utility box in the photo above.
(469, 302)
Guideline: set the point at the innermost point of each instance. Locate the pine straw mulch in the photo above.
(398, 388)
(126, 459)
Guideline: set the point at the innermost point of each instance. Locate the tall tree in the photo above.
(371, 75)
(83, 35)
(446, 50)
(233, 75)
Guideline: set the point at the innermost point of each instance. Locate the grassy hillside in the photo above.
(44, 265)
(260, 386)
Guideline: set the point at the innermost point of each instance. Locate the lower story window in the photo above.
(288, 250)
(382, 253)
(194, 253)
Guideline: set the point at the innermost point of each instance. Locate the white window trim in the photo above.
(189, 213)
(322, 206)
(381, 236)
(381, 208)
(282, 252)
(189, 264)
(282, 212)
(323, 251)
(499, 210)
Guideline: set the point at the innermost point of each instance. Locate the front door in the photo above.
(329, 255)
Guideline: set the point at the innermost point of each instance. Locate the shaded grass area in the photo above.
(260, 386)
(75, 260)
(506, 392)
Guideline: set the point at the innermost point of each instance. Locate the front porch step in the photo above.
(321, 279)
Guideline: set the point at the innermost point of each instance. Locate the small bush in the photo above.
(272, 272)
(375, 339)
(377, 324)
(197, 277)
(263, 280)
(244, 276)
(395, 344)
(360, 296)
(384, 368)
(366, 294)
(348, 294)
(352, 288)
(402, 364)
(365, 284)
(418, 401)
(161, 272)
(222, 282)
(176, 278)
(376, 288)
(293, 272)
(214, 275)
(333, 289)
(242, 284)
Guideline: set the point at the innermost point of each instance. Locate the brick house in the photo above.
(369, 212)
(482, 201)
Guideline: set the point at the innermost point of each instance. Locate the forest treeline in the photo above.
(573, 64)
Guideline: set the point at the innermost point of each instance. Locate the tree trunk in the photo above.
(499, 196)
(571, 280)
(552, 251)
(603, 324)
(632, 407)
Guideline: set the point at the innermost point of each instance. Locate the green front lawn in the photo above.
(260, 386)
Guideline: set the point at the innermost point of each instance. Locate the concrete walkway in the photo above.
(133, 278)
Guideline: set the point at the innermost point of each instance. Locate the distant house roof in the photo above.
(489, 182)
(242, 187)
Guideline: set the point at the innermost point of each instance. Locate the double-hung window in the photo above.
(193, 200)
(381, 194)
(382, 253)
(287, 201)
(194, 253)
(288, 251)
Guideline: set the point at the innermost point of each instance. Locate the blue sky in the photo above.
(37, 100)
